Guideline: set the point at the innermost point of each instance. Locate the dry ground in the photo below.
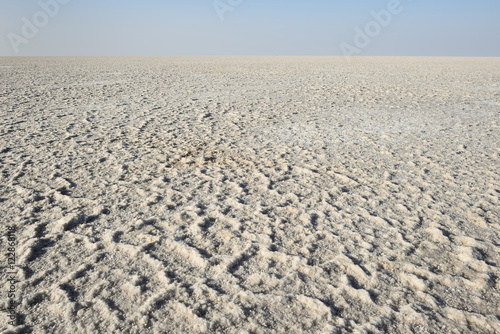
(251, 195)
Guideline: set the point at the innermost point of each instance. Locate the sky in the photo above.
(250, 27)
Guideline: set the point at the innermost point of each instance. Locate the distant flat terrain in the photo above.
(251, 195)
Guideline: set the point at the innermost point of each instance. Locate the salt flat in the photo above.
(251, 195)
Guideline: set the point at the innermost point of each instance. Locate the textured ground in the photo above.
(251, 195)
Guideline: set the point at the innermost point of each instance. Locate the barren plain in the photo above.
(250, 195)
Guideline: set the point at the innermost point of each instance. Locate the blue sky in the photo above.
(250, 27)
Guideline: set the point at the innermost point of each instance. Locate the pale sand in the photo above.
(252, 195)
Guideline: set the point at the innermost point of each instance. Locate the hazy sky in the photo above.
(250, 27)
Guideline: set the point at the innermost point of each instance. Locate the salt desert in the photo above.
(250, 195)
